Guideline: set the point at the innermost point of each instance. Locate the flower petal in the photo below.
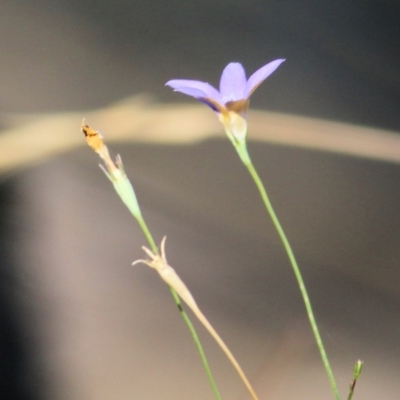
(195, 89)
(260, 75)
(233, 83)
(215, 105)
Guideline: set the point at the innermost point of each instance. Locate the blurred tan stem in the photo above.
(169, 275)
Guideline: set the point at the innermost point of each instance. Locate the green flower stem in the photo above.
(357, 372)
(125, 190)
(147, 233)
(182, 311)
(245, 157)
(198, 344)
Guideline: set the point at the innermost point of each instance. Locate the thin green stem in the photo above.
(182, 311)
(198, 344)
(245, 157)
(146, 232)
(357, 372)
(125, 190)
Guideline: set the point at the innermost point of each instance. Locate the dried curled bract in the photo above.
(168, 274)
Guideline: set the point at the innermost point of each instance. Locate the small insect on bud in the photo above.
(94, 138)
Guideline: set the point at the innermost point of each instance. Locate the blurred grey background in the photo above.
(77, 322)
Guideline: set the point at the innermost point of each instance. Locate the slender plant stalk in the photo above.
(357, 372)
(146, 231)
(245, 157)
(226, 350)
(115, 172)
(196, 310)
(182, 311)
(172, 279)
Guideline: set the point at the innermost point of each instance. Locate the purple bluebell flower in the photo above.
(232, 100)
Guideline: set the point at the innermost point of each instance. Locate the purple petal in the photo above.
(260, 75)
(195, 89)
(215, 105)
(233, 83)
